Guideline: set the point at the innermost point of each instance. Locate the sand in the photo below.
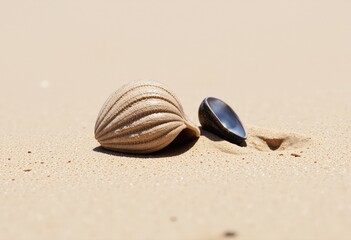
(283, 66)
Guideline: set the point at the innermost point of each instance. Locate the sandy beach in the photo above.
(283, 66)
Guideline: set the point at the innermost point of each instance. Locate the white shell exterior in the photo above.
(141, 117)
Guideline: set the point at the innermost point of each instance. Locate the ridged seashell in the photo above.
(141, 117)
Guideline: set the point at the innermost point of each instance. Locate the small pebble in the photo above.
(229, 234)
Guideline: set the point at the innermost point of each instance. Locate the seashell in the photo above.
(142, 117)
(219, 118)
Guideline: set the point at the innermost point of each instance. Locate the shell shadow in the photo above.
(179, 146)
(215, 138)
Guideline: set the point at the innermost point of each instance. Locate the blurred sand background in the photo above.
(284, 66)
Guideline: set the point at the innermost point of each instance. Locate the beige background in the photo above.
(284, 66)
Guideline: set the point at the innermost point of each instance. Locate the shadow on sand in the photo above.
(179, 146)
(215, 138)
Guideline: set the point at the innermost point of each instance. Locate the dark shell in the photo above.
(217, 117)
